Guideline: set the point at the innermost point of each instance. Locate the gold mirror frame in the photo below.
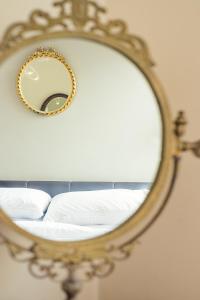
(97, 256)
(39, 53)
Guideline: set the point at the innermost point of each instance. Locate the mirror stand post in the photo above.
(71, 286)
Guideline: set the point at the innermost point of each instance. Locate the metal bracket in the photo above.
(179, 131)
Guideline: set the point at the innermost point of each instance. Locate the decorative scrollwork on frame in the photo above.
(69, 271)
(16, 251)
(75, 16)
(58, 267)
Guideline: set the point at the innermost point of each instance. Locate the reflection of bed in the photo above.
(59, 230)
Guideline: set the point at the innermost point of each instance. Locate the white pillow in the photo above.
(24, 203)
(104, 207)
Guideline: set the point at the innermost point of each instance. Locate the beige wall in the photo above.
(166, 264)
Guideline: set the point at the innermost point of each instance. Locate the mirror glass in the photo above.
(45, 83)
(97, 160)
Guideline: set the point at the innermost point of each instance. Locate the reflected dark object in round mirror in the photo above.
(54, 102)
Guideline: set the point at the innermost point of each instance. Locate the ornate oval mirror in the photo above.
(85, 184)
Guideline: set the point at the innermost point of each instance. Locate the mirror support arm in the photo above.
(180, 129)
(191, 146)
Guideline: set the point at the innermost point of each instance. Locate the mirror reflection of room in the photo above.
(102, 153)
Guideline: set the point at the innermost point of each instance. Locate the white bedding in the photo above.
(101, 207)
(63, 232)
(80, 215)
(24, 202)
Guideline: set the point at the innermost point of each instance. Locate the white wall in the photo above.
(111, 131)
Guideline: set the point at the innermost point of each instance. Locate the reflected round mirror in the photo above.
(83, 173)
(46, 83)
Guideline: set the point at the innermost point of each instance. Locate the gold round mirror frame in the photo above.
(49, 53)
(101, 253)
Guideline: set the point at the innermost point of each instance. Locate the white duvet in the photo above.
(103, 207)
(63, 232)
(84, 215)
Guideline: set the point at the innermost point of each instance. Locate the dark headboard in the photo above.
(57, 187)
